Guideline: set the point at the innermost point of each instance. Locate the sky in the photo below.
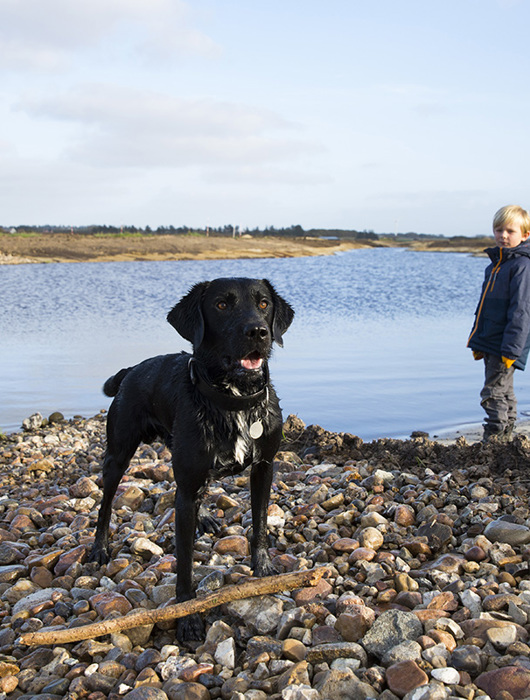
(353, 114)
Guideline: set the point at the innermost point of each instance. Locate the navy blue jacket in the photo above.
(502, 318)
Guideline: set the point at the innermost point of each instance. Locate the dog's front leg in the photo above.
(260, 488)
(191, 627)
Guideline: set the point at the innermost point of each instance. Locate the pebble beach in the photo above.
(427, 593)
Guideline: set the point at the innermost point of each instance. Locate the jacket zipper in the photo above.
(491, 280)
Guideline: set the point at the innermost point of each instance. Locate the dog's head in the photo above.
(232, 322)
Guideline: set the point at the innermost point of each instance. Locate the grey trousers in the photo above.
(497, 396)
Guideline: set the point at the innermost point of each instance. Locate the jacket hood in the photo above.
(522, 249)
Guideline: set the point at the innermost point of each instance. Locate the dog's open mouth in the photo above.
(252, 361)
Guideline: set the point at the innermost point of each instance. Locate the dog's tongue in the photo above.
(251, 362)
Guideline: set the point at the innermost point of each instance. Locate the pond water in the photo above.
(377, 347)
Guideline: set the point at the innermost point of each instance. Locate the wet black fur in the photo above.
(225, 320)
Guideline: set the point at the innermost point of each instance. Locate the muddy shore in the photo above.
(427, 596)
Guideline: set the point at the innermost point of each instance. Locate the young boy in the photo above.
(501, 332)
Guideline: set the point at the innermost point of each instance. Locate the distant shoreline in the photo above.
(68, 247)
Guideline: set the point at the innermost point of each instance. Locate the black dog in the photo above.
(215, 409)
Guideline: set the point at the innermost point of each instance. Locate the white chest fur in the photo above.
(243, 444)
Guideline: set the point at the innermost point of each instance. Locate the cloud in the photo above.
(43, 36)
(124, 127)
(257, 174)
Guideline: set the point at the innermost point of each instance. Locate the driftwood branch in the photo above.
(138, 618)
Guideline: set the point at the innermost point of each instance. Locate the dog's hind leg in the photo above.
(117, 458)
(260, 487)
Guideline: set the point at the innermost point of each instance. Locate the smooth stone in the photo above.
(507, 532)
(511, 679)
(468, 658)
(448, 675)
(405, 676)
(371, 538)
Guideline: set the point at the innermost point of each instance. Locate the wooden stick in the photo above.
(137, 618)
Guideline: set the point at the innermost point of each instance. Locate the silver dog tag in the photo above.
(256, 429)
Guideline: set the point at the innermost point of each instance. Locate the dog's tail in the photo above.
(112, 385)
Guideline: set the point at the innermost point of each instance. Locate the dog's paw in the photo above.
(99, 555)
(207, 523)
(262, 565)
(190, 629)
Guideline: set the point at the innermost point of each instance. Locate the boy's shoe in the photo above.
(494, 434)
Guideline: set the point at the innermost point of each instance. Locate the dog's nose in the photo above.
(256, 332)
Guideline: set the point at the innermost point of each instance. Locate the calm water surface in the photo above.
(377, 347)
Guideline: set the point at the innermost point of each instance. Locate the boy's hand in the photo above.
(507, 362)
(477, 354)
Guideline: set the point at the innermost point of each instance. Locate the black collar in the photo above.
(229, 402)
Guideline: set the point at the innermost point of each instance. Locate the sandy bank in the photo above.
(68, 247)
(94, 248)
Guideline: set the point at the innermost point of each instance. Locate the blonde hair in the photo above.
(510, 213)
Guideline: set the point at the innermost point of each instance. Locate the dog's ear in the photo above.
(283, 315)
(186, 316)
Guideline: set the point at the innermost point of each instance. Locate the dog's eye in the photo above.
(222, 305)
(263, 304)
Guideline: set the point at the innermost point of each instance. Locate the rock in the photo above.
(507, 532)
(502, 637)
(232, 544)
(82, 488)
(404, 516)
(298, 692)
(345, 545)
(406, 651)
(354, 624)
(431, 691)
(405, 676)
(311, 594)
(329, 652)
(38, 599)
(192, 673)
(77, 555)
(479, 628)
(225, 654)
(294, 650)
(371, 538)
(132, 497)
(510, 679)
(149, 657)
(37, 659)
(186, 691)
(148, 693)
(390, 629)
(438, 534)
(262, 613)
(468, 658)
(146, 548)
(109, 602)
(33, 422)
(55, 417)
(447, 675)
(336, 685)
